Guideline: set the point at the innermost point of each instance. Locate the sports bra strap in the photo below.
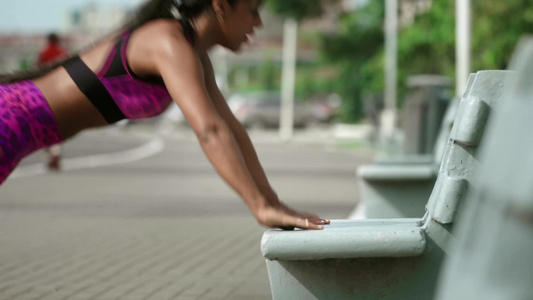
(188, 30)
(94, 90)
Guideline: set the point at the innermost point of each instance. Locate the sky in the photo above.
(45, 15)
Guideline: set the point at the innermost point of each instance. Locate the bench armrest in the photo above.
(407, 159)
(347, 239)
(398, 172)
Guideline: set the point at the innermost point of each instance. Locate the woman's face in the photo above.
(239, 22)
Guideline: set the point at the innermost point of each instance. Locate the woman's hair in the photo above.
(150, 10)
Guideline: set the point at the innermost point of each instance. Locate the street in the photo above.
(141, 214)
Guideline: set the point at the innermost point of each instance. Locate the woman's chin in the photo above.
(238, 46)
(235, 47)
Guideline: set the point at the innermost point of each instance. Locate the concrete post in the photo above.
(462, 49)
(388, 118)
(290, 37)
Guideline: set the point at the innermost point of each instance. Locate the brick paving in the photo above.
(165, 227)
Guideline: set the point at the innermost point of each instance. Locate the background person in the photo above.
(51, 53)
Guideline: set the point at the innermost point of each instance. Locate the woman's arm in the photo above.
(182, 72)
(245, 144)
(241, 136)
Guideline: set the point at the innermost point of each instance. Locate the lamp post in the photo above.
(290, 37)
(463, 26)
(388, 117)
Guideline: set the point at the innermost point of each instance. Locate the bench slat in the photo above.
(398, 172)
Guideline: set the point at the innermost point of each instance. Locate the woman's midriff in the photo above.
(70, 107)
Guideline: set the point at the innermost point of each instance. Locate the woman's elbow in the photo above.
(208, 131)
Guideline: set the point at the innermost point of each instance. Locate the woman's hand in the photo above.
(281, 216)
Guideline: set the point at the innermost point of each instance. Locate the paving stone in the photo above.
(162, 228)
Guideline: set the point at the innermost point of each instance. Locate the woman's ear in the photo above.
(220, 7)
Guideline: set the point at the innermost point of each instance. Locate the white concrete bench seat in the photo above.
(348, 239)
(407, 159)
(398, 172)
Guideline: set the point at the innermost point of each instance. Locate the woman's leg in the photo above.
(7, 164)
(26, 124)
(54, 156)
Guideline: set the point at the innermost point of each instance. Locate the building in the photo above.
(94, 19)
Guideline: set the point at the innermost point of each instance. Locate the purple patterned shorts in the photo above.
(26, 124)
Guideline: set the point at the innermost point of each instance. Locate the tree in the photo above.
(294, 11)
(426, 46)
(498, 26)
(357, 50)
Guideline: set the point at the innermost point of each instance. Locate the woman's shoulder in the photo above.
(161, 35)
(161, 28)
(162, 41)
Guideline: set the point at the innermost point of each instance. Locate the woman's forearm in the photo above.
(252, 162)
(226, 156)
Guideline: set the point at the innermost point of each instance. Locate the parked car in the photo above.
(325, 107)
(262, 110)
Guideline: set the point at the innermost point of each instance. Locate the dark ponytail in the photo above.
(151, 10)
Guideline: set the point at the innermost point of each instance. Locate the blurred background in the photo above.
(137, 212)
(340, 60)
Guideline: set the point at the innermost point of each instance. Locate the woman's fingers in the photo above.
(313, 218)
(321, 221)
(309, 221)
(289, 220)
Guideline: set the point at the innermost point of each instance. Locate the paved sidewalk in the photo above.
(165, 227)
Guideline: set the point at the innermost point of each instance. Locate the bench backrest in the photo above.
(447, 121)
(492, 259)
(459, 160)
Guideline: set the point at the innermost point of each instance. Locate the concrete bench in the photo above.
(387, 258)
(399, 186)
(492, 258)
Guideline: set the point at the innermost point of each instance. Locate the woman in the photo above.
(156, 57)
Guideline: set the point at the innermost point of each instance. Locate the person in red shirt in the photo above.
(50, 53)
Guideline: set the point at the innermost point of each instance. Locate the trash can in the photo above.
(424, 108)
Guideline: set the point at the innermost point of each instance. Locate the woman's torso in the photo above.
(73, 110)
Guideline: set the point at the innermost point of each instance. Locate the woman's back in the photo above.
(75, 112)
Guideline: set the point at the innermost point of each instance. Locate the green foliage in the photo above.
(312, 80)
(355, 49)
(425, 47)
(296, 9)
(497, 27)
(270, 73)
(359, 37)
(428, 45)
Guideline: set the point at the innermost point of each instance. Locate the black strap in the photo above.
(188, 30)
(94, 90)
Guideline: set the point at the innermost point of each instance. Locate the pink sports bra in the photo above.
(116, 91)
